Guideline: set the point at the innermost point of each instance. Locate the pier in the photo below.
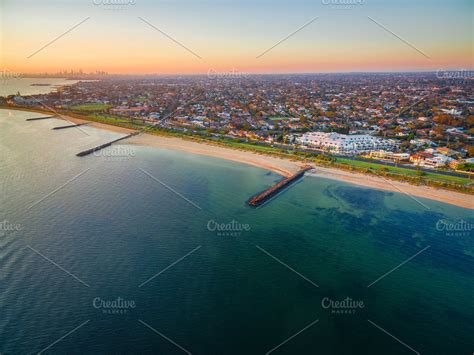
(105, 145)
(40, 118)
(265, 196)
(72, 125)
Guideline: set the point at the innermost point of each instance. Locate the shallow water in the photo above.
(79, 231)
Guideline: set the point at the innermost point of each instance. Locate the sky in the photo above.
(246, 36)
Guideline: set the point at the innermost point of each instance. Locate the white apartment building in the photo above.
(346, 144)
(383, 154)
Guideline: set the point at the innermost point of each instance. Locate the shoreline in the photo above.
(287, 168)
(282, 166)
(72, 119)
(98, 125)
(411, 191)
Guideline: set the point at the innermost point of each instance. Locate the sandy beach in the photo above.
(281, 166)
(99, 125)
(376, 182)
(286, 167)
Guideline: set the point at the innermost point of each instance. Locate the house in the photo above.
(448, 152)
(429, 160)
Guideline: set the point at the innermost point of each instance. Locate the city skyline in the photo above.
(183, 37)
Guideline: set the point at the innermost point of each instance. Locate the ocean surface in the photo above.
(118, 252)
(12, 85)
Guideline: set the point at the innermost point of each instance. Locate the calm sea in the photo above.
(118, 252)
(13, 85)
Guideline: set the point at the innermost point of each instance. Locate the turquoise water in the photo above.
(66, 248)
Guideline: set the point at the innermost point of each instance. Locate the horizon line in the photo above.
(230, 72)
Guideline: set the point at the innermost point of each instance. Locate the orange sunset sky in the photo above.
(191, 36)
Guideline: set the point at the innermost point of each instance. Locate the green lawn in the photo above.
(91, 107)
(255, 147)
(105, 119)
(402, 171)
(113, 121)
(447, 178)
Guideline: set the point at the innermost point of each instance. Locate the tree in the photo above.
(470, 121)
(470, 151)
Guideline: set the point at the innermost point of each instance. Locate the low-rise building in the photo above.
(382, 154)
(346, 144)
(429, 160)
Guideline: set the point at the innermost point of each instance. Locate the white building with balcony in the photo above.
(346, 144)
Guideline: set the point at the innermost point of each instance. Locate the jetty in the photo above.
(40, 118)
(279, 187)
(105, 145)
(72, 125)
